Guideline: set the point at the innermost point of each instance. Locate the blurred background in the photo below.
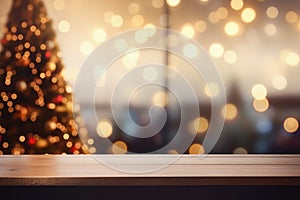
(253, 43)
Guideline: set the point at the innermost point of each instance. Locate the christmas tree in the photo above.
(36, 103)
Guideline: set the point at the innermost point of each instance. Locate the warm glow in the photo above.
(22, 138)
(188, 30)
(222, 13)
(200, 26)
(116, 21)
(149, 30)
(137, 20)
(289, 57)
(130, 59)
(279, 82)
(270, 29)
(291, 125)
(291, 17)
(240, 150)
(261, 105)
(248, 15)
(104, 128)
(59, 4)
(66, 136)
(64, 26)
(196, 149)
(213, 17)
(108, 16)
(160, 98)
(230, 111)
(292, 59)
(199, 125)
(259, 91)
(272, 12)
(172, 151)
(230, 57)
(158, 3)
(86, 48)
(216, 50)
(237, 4)
(133, 8)
(231, 28)
(119, 147)
(211, 90)
(99, 35)
(90, 141)
(173, 3)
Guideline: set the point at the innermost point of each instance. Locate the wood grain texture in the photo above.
(120, 170)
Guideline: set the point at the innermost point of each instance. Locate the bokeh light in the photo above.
(272, 12)
(137, 20)
(188, 30)
(240, 150)
(259, 91)
(64, 26)
(200, 26)
(222, 13)
(292, 59)
(261, 105)
(199, 125)
(213, 17)
(216, 50)
(99, 35)
(108, 16)
(86, 48)
(173, 3)
(270, 29)
(291, 125)
(104, 128)
(133, 8)
(116, 21)
(59, 4)
(119, 147)
(149, 29)
(211, 89)
(291, 17)
(196, 149)
(231, 28)
(130, 59)
(236, 4)
(248, 15)
(158, 3)
(253, 43)
(230, 57)
(279, 82)
(160, 98)
(229, 112)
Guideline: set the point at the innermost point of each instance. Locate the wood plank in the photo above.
(152, 170)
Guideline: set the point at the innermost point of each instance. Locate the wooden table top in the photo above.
(133, 170)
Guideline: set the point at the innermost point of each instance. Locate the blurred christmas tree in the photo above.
(36, 103)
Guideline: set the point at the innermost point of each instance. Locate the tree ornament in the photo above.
(21, 86)
(31, 140)
(29, 65)
(3, 41)
(48, 54)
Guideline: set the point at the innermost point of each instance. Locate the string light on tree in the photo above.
(34, 104)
